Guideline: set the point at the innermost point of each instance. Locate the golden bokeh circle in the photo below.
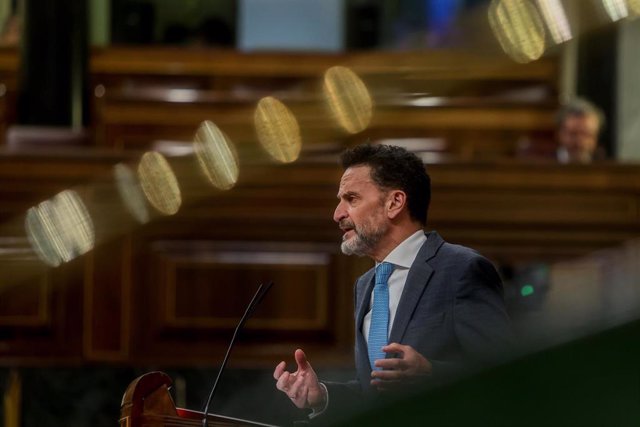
(348, 99)
(519, 29)
(60, 229)
(159, 183)
(216, 155)
(277, 130)
(131, 192)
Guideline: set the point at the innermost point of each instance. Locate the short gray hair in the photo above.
(579, 107)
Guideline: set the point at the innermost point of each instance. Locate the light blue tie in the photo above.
(379, 328)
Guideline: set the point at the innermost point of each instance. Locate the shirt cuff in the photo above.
(318, 412)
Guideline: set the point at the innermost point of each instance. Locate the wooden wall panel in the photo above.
(40, 311)
(196, 291)
(24, 301)
(211, 291)
(107, 302)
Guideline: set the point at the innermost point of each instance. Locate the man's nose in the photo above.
(339, 214)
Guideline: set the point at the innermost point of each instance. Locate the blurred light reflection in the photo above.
(633, 7)
(277, 130)
(182, 95)
(428, 101)
(616, 9)
(519, 29)
(60, 229)
(216, 156)
(556, 20)
(75, 221)
(159, 183)
(131, 192)
(348, 99)
(40, 232)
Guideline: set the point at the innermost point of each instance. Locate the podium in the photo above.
(147, 402)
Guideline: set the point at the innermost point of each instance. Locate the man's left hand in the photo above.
(406, 367)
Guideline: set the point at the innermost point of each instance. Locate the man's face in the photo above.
(360, 212)
(579, 136)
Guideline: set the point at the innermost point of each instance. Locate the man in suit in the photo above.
(428, 308)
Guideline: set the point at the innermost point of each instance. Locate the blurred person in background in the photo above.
(578, 125)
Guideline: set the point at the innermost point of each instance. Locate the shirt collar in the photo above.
(405, 253)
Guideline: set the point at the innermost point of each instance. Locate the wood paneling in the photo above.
(479, 107)
(482, 107)
(169, 292)
(196, 287)
(192, 293)
(24, 298)
(40, 313)
(107, 301)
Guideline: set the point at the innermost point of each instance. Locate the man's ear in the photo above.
(396, 203)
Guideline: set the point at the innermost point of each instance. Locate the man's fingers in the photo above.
(279, 370)
(397, 364)
(294, 386)
(388, 375)
(300, 399)
(387, 363)
(301, 360)
(394, 347)
(283, 382)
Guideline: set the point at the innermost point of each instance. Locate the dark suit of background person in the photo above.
(451, 312)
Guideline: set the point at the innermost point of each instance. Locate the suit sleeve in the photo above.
(480, 319)
(343, 397)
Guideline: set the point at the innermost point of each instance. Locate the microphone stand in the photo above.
(259, 295)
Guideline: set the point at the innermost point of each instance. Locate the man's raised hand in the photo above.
(302, 386)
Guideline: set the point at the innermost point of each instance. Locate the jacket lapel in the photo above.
(364, 289)
(417, 280)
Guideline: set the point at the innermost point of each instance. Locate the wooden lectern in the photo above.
(147, 403)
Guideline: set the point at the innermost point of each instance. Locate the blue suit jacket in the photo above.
(451, 311)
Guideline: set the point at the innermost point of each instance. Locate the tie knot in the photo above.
(383, 271)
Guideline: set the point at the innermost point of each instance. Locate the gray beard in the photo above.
(363, 243)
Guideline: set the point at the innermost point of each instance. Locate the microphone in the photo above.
(259, 295)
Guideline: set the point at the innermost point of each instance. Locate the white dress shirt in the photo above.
(402, 258)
